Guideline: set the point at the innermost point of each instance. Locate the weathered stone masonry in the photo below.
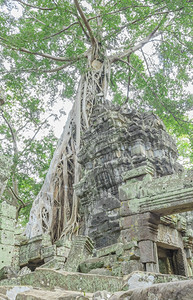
(119, 140)
(7, 217)
(130, 188)
(131, 182)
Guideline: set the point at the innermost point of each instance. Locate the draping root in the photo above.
(58, 203)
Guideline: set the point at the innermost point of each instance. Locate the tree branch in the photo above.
(61, 31)
(115, 11)
(93, 40)
(156, 12)
(118, 56)
(37, 20)
(45, 55)
(33, 6)
(29, 143)
(11, 130)
(86, 34)
(155, 94)
(40, 70)
(15, 196)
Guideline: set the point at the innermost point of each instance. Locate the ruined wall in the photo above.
(130, 182)
(117, 141)
(7, 228)
(7, 216)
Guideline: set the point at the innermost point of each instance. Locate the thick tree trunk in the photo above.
(55, 210)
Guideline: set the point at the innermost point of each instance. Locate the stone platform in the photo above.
(49, 284)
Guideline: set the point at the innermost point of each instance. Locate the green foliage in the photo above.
(184, 144)
(44, 49)
(20, 123)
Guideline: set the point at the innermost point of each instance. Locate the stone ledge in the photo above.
(49, 278)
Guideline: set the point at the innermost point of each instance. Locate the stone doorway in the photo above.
(171, 260)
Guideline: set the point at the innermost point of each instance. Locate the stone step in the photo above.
(29, 293)
(90, 283)
(181, 290)
(40, 294)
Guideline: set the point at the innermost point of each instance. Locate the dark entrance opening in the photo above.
(171, 261)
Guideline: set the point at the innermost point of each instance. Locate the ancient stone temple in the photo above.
(119, 141)
(136, 224)
(132, 183)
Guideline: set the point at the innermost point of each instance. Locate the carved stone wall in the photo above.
(7, 229)
(117, 141)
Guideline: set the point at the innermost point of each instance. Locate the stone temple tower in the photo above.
(118, 140)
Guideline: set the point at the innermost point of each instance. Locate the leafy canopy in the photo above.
(45, 44)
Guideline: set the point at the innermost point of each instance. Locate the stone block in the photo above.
(37, 294)
(130, 245)
(7, 223)
(34, 254)
(6, 252)
(129, 191)
(140, 171)
(129, 222)
(148, 218)
(128, 235)
(48, 251)
(137, 233)
(64, 242)
(23, 255)
(182, 264)
(7, 210)
(131, 266)
(82, 248)
(46, 240)
(138, 149)
(106, 238)
(169, 236)
(25, 270)
(132, 254)
(54, 258)
(30, 251)
(139, 227)
(115, 248)
(62, 251)
(151, 267)
(53, 263)
(50, 278)
(147, 252)
(15, 258)
(124, 209)
(101, 271)
(7, 272)
(90, 264)
(6, 237)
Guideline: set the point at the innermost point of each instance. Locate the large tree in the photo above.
(98, 48)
